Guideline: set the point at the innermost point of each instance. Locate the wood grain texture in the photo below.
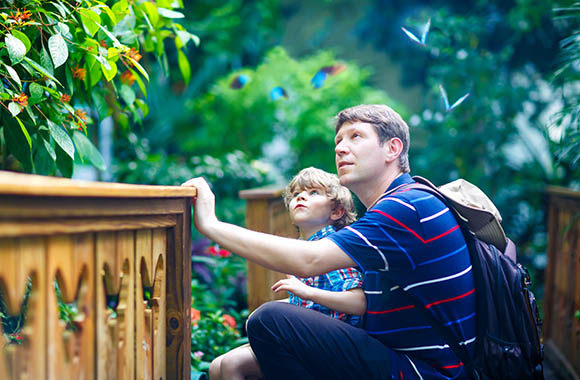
(28, 184)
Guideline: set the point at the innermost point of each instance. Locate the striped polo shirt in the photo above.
(409, 241)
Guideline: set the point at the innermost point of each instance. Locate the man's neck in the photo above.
(371, 192)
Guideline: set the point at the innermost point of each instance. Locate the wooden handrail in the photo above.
(121, 256)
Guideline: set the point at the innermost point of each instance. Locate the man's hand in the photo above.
(203, 205)
(294, 285)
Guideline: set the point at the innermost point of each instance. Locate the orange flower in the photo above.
(128, 78)
(79, 72)
(229, 321)
(21, 99)
(64, 98)
(103, 44)
(195, 316)
(133, 53)
(20, 17)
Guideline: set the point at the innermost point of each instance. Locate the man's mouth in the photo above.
(342, 164)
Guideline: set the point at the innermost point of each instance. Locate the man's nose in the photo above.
(340, 148)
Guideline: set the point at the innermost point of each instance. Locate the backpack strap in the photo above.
(444, 332)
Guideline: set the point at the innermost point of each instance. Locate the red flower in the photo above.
(65, 98)
(195, 316)
(215, 250)
(229, 321)
(20, 17)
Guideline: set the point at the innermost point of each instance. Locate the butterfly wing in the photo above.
(412, 37)
(426, 31)
(444, 96)
(458, 102)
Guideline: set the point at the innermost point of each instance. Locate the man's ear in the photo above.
(394, 149)
(337, 213)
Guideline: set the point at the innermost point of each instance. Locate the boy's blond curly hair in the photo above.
(339, 195)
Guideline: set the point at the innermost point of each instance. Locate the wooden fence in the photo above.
(562, 288)
(265, 212)
(118, 256)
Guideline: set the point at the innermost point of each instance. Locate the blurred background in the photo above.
(489, 89)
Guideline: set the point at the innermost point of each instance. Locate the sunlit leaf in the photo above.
(14, 108)
(139, 67)
(184, 66)
(22, 37)
(167, 13)
(110, 71)
(90, 20)
(127, 94)
(61, 138)
(88, 151)
(46, 62)
(58, 49)
(14, 75)
(16, 48)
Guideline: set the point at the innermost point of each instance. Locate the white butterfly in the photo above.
(423, 36)
(449, 108)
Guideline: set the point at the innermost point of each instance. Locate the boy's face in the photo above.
(311, 209)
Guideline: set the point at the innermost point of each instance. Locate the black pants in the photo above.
(291, 342)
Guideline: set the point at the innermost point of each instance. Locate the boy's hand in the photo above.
(203, 204)
(294, 285)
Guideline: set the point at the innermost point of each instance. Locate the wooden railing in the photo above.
(265, 212)
(562, 288)
(117, 254)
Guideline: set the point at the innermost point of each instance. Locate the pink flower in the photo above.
(198, 354)
(215, 250)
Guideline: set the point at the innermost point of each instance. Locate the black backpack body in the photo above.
(508, 323)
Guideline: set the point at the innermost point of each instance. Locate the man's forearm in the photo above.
(273, 252)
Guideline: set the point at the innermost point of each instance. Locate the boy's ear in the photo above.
(337, 213)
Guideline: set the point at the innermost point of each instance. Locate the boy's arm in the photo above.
(306, 259)
(352, 301)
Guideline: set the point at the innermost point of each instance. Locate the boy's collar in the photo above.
(326, 230)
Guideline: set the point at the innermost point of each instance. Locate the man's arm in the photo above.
(352, 301)
(297, 257)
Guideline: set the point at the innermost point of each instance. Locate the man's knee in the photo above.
(264, 316)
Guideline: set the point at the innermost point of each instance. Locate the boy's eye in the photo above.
(314, 192)
(295, 194)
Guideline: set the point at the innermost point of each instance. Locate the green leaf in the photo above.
(36, 91)
(184, 66)
(14, 75)
(185, 37)
(169, 13)
(139, 67)
(142, 106)
(151, 11)
(140, 83)
(90, 20)
(58, 49)
(46, 62)
(127, 94)
(61, 138)
(63, 162)
(49, 149)
(116, 42)
(100, 104)
(22, 37)
(24, 132)
(19, 145)
(64, 30)
(109, 72)
(109, 13)
(41, 69)
(88, 151)
(16, 48)
(14, 108)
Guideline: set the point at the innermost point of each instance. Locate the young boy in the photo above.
(318, 205)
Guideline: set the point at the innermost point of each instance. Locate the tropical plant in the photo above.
(64, 64)
(282, 110)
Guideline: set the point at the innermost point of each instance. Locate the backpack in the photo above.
(508, 344)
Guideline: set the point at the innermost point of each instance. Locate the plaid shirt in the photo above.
(337, 281)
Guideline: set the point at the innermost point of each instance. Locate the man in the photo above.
(407, 243)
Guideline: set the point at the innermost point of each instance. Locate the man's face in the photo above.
(359, 158)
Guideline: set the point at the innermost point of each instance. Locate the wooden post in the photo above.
(562, 289)
(120, 255)
(265, 212)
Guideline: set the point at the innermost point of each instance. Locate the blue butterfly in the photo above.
(239, 81)
(449, 108)
(277, 93)
(423, 39)
(318, 79)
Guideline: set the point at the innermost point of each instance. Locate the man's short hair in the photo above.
(387, 123)
(339, 195)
